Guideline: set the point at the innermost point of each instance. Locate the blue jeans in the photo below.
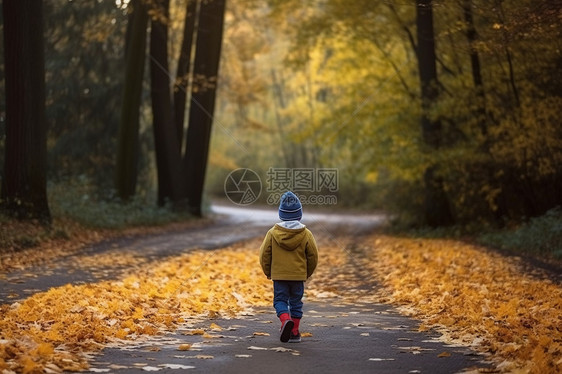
(287, 297)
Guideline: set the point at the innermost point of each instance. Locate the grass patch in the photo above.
(540, 236)
(79, 217)
(80, 202)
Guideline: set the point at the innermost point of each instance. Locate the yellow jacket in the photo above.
(288, 254)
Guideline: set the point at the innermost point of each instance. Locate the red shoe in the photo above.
(286, 328)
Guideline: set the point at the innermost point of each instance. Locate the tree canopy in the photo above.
(348, 94)
(328, 84)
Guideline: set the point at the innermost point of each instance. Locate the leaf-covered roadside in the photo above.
(25, 244)
(53, 331)
(470, 295)
(474, 297)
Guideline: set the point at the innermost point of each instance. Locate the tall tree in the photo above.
(24, 185)
(166, 142)
(437, 210)
(128, 141)
(472, 38)
(184, 64)
(201, 110)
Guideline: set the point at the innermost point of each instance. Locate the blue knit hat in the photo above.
(290, 208)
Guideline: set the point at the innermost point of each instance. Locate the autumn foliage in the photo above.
(55, 330)
(468, 294)
(476, 298)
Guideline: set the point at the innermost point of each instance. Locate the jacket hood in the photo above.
(288, 239)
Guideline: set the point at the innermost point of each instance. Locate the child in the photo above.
(288, 256)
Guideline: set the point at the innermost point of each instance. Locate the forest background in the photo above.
(327, 84)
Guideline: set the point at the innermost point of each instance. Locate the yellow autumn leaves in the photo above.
(475, 297)
(51, 331)
(470, 295)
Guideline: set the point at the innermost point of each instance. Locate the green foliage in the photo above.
(84, 58)
(539, 236)
(79, 200)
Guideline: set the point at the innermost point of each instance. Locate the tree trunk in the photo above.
(437, 210)
(499, 10)
(128, 142)
(184, 62)
(472, 36)
(431, 129)
(166, 143)
(205, 73)
(24, 184)
(279, 105)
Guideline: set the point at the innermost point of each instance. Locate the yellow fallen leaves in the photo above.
(24, 244)
(470, 295)
(195, 332)
(55, 328)
(475, 297)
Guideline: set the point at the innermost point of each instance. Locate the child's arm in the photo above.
(311, 255)
(265, 255)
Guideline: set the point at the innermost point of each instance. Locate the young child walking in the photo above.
(288, 256)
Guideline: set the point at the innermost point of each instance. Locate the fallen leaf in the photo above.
(261, 334)
(117, 367)
(444, 354)
(184, 347)
(176, 366)
(52, 369)
(194, 332)
(254, 348)
(282, 349)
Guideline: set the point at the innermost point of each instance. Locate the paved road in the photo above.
(353, 338)
(231, 224)
(358, 338)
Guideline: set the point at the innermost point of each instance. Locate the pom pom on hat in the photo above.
(290, 207)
